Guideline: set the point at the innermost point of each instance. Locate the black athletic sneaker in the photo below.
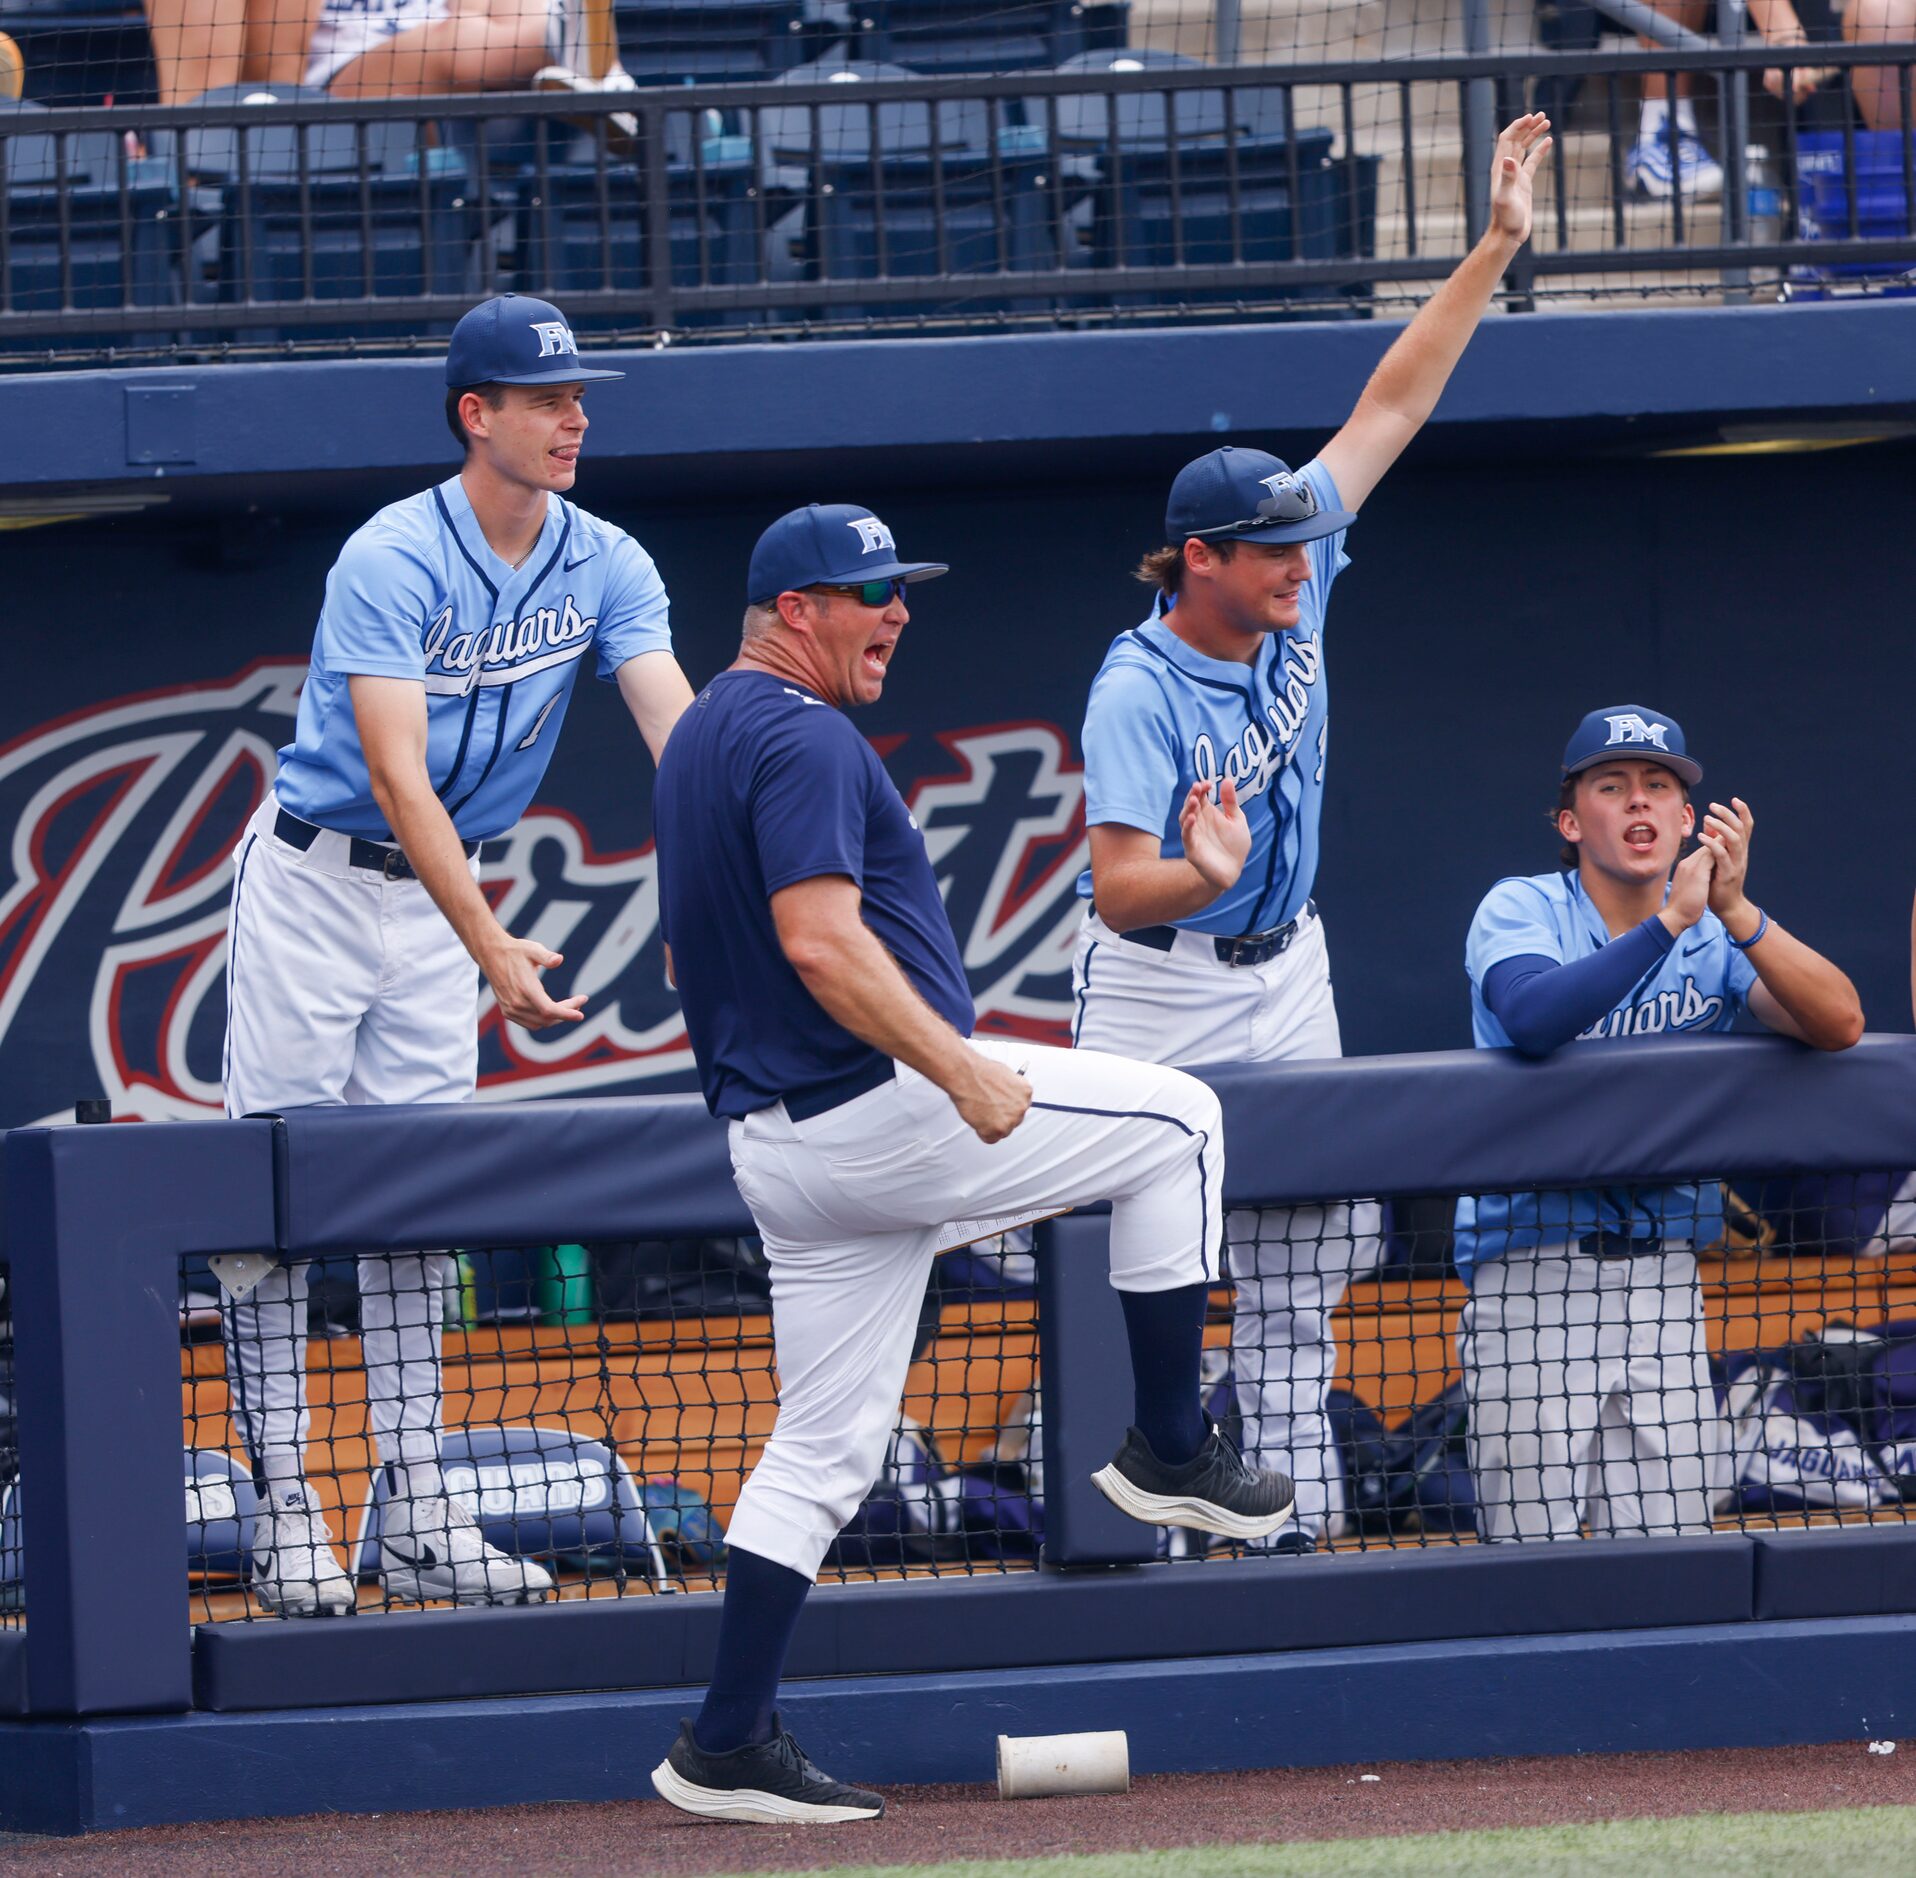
(770, 1784)
(1216, 1491)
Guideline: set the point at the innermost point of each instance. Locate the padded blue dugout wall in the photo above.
(1751, 1628)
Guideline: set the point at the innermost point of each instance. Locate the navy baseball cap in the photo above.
(513, 339)
(1246, 495)
(1630, 733)
(830, 544)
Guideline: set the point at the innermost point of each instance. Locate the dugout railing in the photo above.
(99, 1219)
(1075, 198)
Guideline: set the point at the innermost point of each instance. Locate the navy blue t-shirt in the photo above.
(763, 785)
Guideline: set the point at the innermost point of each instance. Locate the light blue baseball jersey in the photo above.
(418, 593)
(1700, 985)
(1162, 716)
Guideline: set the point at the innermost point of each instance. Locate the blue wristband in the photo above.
(1743, 945)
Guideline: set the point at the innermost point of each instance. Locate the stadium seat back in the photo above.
(1143, 122)
(845, 133)
(995, 36)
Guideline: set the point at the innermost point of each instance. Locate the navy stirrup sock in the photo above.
(1166, 1329)
(762, 1603)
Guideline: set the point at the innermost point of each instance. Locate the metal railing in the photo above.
(742, 211)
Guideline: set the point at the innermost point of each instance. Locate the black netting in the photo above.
(508, 1425)
(1633, 1361)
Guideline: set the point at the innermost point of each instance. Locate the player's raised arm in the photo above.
(1410, 378)
(1798, 991)
(391, 716)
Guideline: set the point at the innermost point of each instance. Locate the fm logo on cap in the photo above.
(1628, 727)
(874, 534)
(554, 336)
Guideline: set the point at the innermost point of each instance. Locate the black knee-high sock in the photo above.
(762, 1603)
(1166, 1329)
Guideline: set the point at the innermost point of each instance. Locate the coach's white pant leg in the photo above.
(301, 968)
(1664, 1454)
(418, 1042)
(850, 1205)
(1530, 1436)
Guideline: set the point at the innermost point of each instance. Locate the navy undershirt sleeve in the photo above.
(1543, 1003)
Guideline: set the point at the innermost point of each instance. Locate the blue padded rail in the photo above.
(1829, 1571)
(470, 1174)
(655, 1166)
(1412, 1595)
(13, 1672)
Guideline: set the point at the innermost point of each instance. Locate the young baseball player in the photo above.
(831, 1018)
(454, 625)
(1205, 744)
(1583, 1342)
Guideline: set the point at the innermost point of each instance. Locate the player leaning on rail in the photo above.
(1205, 745)
(1583, 1347)
(454, 625)
(831, 1018)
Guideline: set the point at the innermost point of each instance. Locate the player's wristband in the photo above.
(1762, 926)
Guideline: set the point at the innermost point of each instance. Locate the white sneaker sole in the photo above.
(747, 1805)
(411, 1587)
(339, 1603)
(1166, 1509)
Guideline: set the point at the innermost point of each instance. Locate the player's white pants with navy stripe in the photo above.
(1590, 1398)
(1291, 1264)
(854, 1204)
(341, 986)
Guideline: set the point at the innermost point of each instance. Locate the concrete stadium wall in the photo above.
(1535, 557)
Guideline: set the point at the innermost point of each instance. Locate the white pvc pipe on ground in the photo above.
(1033, 1766)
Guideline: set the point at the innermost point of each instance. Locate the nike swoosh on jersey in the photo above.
(1691, 951)
(580, 562)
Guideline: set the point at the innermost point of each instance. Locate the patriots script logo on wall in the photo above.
(121, 821)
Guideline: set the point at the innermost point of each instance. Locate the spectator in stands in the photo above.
(384, 48)
(1582, 1346)
(1876, 87)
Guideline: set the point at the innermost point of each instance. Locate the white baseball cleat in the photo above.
(431, 1549)
(295, 1571)
(619, 128)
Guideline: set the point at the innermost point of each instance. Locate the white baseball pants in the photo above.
(1590, 1397)
(854, 1204)
(1291, 1264)
(341, 986)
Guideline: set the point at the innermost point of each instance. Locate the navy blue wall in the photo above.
(1510, 576)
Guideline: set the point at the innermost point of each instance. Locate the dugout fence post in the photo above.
(1084, 1368)
(97, 1220)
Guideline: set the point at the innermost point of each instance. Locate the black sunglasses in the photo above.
(1290, 501)
(867, 592)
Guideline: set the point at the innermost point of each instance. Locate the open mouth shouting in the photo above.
(1641, 838)
(877, 656)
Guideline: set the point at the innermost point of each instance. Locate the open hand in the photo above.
(1519, 150)
(993, 1100)
(1217, 838)
(513, 973)
(1726, 833)
(1689, 891)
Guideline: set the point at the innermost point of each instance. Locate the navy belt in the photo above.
(823, 1097)
(1251, 948)
(1618, 1245)
(392, 862)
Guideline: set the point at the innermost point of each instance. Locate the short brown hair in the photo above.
(1163, 568)
(495, 397)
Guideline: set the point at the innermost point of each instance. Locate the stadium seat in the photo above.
(992, 36)
(864, 187)
(390, 214)
(1830, 208)
(1161, 187)
(117, 240)
(82, 51)
(578, 242)
(707, 42)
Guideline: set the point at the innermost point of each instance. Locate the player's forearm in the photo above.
(859, 985)
(1818, 998)
(1150, 893)
(1411, 376)
(656, 693)
(431, 844)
